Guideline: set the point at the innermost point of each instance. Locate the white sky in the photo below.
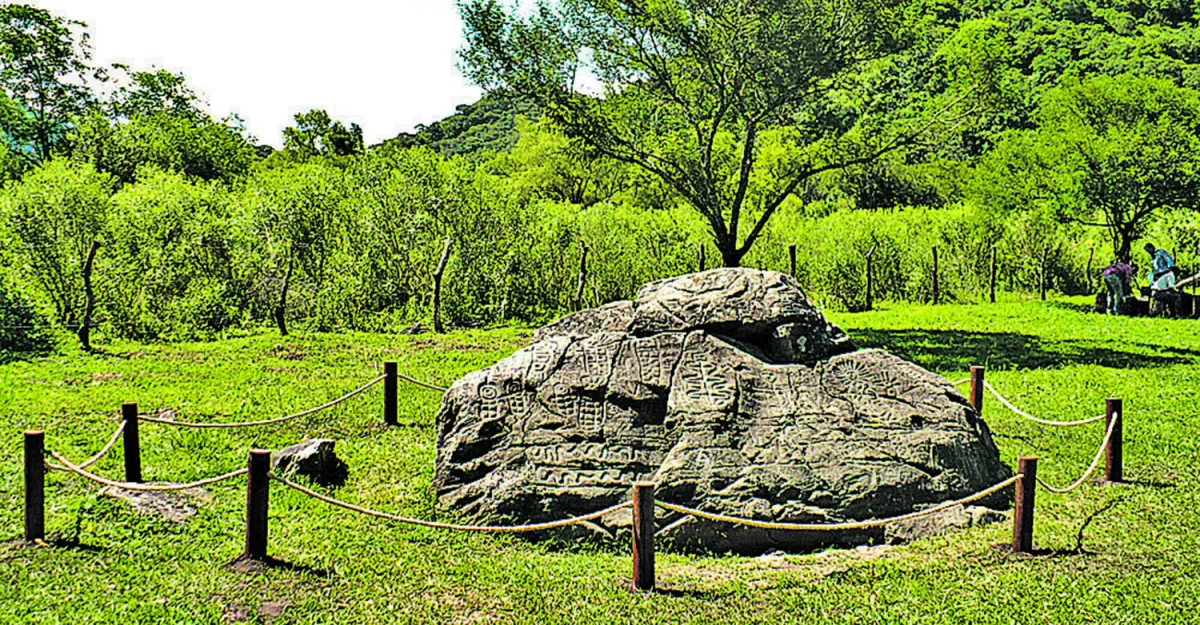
(387, 65)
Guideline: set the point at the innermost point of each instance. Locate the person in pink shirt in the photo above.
(1118, 279)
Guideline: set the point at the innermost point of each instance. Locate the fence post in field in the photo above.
(643, 536)
(792, 257)
(992, 278)
(1045, 254)
(936, 294)
(437, 286)
(583, 274)
(1088, 280)
(132, 443)
(35, 485)
(702, 261)
(1023, 505)
(1114, 461)
(258, 493)
(870, 279)
(977, 389)
(389, 393)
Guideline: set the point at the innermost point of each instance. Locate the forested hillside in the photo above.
(1053, 135)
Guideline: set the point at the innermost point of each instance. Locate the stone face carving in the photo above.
(736, 396)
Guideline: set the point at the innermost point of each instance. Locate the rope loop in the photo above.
(830, 527)
(512, 529)
(246, 424)
(1092, 467)
(68, 467)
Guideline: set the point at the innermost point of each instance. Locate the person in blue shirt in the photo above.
(1162, 269)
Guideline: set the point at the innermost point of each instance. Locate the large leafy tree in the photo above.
(44, 73)
(688, 89)
(1109, 152)
(155, 118)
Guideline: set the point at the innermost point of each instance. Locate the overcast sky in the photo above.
(386, 65)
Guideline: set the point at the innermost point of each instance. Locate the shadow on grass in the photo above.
(959, 350)
(242, 564)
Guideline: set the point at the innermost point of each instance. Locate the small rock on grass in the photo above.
(314, 459)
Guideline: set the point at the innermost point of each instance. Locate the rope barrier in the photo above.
(536, 527)
(184, 424)
(961, 382)
(72, 468)
(107, 448)
(1021, 413)
(420, 383)
(837, 526)
(1092, 467)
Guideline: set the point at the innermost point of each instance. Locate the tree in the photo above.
(1109, 152)
(690, 87)
(44, 73)
(57, 216)
(316, 134)
(156, 119)
(150, 93)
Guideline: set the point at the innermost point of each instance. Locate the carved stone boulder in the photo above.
(734, 394)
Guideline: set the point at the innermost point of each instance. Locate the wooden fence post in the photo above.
(583, 272)
(936, 294)
(132, 443)
(35, 485)
(1023, 505)
(1114, 461)
(389, 393)
(792, 263)
(702, 260)
(992, 279)
(977, 389)
(437, 286)
(643, 536)
(870, 279)
(1088, 276)
(258, 494)
(1045, 254)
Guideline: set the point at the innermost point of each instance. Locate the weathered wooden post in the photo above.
(132, 443)
(1088, 276)
(1023, 505)
(792, 263)
(1114, 460)
(936, 294)
(1045, 254)
(643, 536)
(389, 393)
(35, 485)
(977, 389)
(702, 260)
(992, 279)
(258, 492)
(870, 280)
(437, 286)
(583, 272)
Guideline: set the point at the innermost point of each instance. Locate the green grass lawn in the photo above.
(1126, 554)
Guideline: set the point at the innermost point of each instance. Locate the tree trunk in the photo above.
(583, 274)
(437, 287)
(89, 304)
(283, 293)
(731, 256)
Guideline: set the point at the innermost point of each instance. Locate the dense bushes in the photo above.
(353, 244)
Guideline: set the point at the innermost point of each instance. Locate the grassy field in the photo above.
(1126, 554)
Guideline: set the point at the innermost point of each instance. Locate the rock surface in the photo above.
(314, 459)
(734, 394)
